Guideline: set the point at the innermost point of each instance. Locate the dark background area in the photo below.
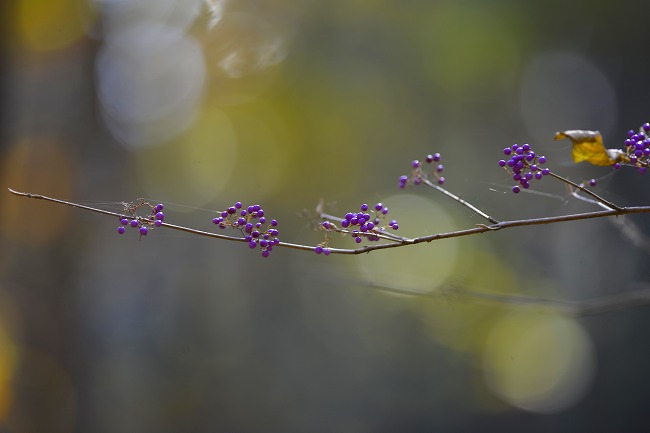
(198, 104)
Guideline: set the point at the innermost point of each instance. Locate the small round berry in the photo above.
(417, 181)
(274, 223)
(507, 151)
(379, 207)
(646, 127)
(643, 170)
(248, 228)
(257, 208)
(415, 163)
(262, 220)
(252, 244)
(265, 253)
(526, 147)
(358, 239)
(502, 163)
(538, 175)
(318, 249)
(511, 163)
(241, 221)
(516, 189)
(546, 171)
(429, 159)
(121, 230)
(231, 210)
(541, 159)
(157, 223)
(384, 211)
(124, 221)
(345, 223)
(326, 225)
(630, 133)
(134, 223)
(159, 207)
(144, 231)
(519, 151)
(264, 243)
(238, 205)
(224, 214)
(160, 216)
(260, 213)
(364, 207)
(326, 251)
(441, 181)
(592, 182)
(440, 168)
(436, 157)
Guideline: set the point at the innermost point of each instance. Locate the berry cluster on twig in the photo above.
(420, 175)
(143, 223)
(369, 223)
(253, 225)
(524, 165)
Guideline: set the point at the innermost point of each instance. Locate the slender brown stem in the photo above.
(405, 241)
(454, 197)
(586, 191)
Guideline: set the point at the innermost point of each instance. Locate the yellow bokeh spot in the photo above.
(196, 166)
(420, 268)
(541, 363)
(46, 25)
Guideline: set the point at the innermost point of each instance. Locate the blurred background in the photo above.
(198, 104)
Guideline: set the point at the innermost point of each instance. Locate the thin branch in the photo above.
(586, 191)
(632, 299)
(366, 249)
(454, 197)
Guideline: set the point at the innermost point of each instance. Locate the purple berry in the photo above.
(440, 168)
(160, 216)
(516, 189)
(265, 253)
(318, 249)
(144, 231)
(358, 239)
(502, 163)
(429, 159)
(238, 205)
(134, 223)
(592, 182)
(436, 157)
(326, 225)
(546, 171)
(121, 230)
(441, 181)
(159, 207)
(364, 207)
(379, 207)
(157, 223)
(124, 221)
(345, 223)
(415, 163)
(507, 151)
(541, 160)
(646, 127)
(326, 251)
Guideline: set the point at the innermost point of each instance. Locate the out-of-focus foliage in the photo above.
(198, 104)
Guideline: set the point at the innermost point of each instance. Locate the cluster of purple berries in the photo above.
(523, 165)
(253, 225)
(144, 224)
(418, 174)
(367, 223)
(637, 148)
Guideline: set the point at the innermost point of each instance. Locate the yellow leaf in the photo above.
(588, 146)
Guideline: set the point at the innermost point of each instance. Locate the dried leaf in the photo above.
(588, 146)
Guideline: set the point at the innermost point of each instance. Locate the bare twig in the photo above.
(366, 249)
